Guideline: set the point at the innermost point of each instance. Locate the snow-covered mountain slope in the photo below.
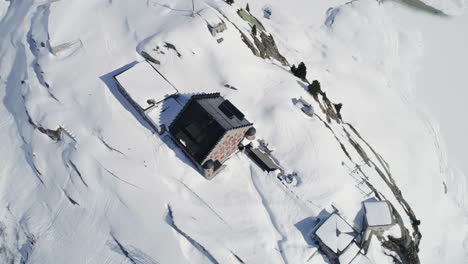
(111, 191)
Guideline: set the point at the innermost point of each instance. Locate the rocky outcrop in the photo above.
(268, 49)
(249, 44)
(148, 57)
(53, 134)
(406, 247)
(264, 45)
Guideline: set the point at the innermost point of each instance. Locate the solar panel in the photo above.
(230, 110)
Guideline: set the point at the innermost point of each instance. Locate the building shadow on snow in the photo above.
(110, 82)
(358, 222)
(166, 115)
(169, 109)
(307, 226)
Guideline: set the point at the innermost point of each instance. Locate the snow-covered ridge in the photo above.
(101, 193)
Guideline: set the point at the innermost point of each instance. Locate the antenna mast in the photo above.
(193, 8)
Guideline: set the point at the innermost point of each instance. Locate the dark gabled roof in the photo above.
(223, 111)
(184, 109)
(203, 121)
(197, 131)
(217, 107)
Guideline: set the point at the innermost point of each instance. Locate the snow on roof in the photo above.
(222, 110)
(378, 213)
(143, 82)
(335, 233)
(210, 17)
(348, 255)
(165, 114)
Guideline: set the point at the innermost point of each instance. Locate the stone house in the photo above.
(209, 130)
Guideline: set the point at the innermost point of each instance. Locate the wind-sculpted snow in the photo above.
(84, 179)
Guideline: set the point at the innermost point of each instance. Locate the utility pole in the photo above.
(193, 8)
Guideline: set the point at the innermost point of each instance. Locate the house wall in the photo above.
(217, 28)
(227, 145)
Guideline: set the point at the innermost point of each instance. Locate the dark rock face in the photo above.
(404, 247)
(53, 134)
(249, 44)
(268, 49)
(171, 46)
(265, 46)
(145, 55)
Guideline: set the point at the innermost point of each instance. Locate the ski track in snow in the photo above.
(192, 241)
(206, 204)
(270, 214)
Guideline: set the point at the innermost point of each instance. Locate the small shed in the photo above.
(215, 24)
(217, 28)
(378, 215)
(336, 239)
(209, 129)
(145, 88)
(262, 159)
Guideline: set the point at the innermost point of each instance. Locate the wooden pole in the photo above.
(193, 8)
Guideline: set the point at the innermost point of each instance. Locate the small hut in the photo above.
(337, 239)
(215, 24)
(217, 28)
(379, 215)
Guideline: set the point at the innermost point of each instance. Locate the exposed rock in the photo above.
(405, 248)
(171, 221)
(250, 19)
(148, 57)
(230, 86)
(168, 45)
(268, 49)
(265, 47)
(53, 134)
(249, 44)
(124, 251)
